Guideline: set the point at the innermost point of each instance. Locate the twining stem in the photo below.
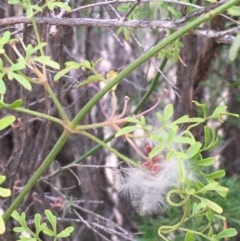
(63, 138)
(169, 229)
(175, 191)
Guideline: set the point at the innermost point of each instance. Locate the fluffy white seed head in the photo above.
(148, 191)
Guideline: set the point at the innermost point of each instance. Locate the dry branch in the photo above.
(220, 36)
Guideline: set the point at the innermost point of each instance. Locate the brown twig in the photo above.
(155, 24)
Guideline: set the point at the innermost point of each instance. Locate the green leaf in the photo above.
(46, 60)
(5, 38)
(2, 179)
(123, 8)
(233, 52)
(174, 12)
(206, 162)
(19, 229)
(29, 12)
(210, 215)
(15, 104)
(13, 1)
(37, 219)
(182, 171)
(186, 119)
(216, 175)
(52, 219)
(209, 187)
(6, 121)
(189, 236)
(65, 233)
(38, 47)
(172, 136)
(22, 81)
(15, 215)
(2, 87)
(37, 8)
(38, 225)
(203, 108)
(4, 192)
(215, 207)
(133, 120)
(196, 208)
(95, 63)
(62, 73)
(170, 155)
(52, 5)
(126, 34)
(119, 30)
(213, 145)
(49, 232)
(207, 136)
(184, 140)
(156, 150)
(86, 64)
(193, 149)
(160, 117)
(126, 130)
(180, 155)
(168, 112)
(234, 11)
(1, 64)
(17, 66)
(227, 233)
(90, 79)
(2, 226)
(218, 111)
(73, 64)
(142, 121)
(222, 191)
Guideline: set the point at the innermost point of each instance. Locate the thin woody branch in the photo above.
(220, 36)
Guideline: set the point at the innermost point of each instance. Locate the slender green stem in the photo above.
(102, 143)
(56, 102)
(175, 191)
(35, 28)
(38, 114)
(91, 126)
(197, 233)
(169, 229)
(33, 180)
